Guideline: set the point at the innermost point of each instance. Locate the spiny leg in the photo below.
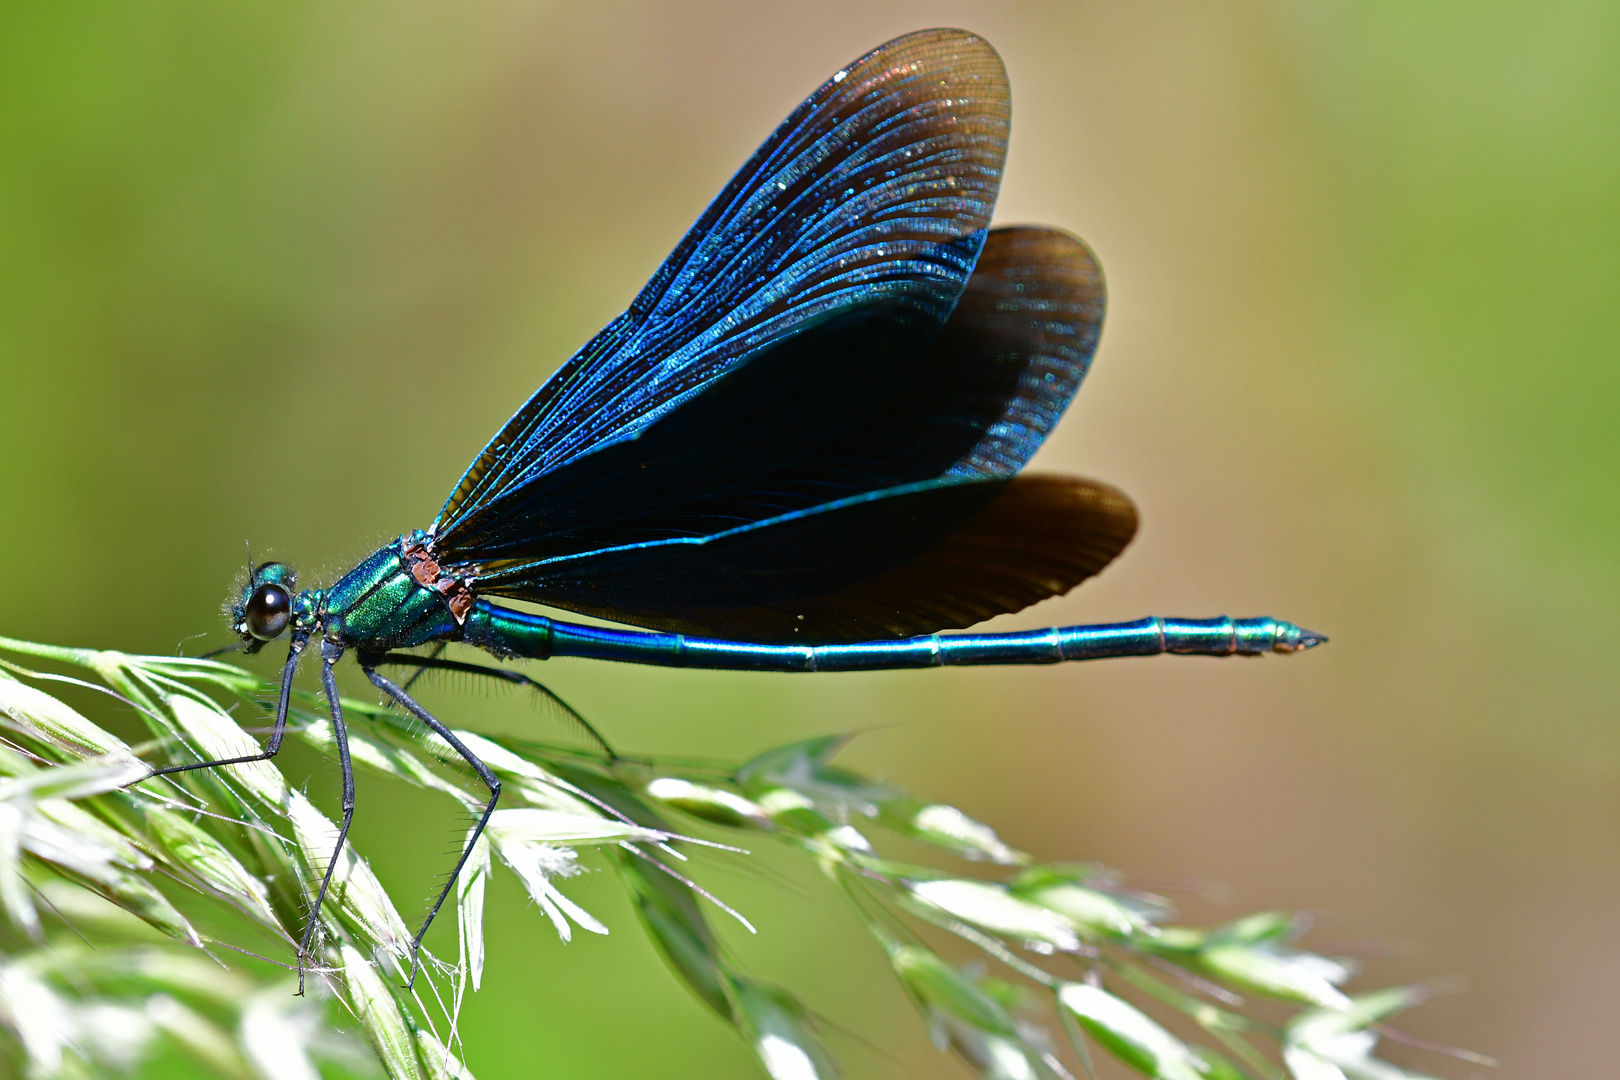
(423, 663)
(331, 652)
(280, 729)
(438, 651)
(489, 778)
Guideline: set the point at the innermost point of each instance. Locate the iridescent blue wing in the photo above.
(913, 560)
(828, 414)
(862, 214)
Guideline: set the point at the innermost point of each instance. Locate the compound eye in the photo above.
(268, 611)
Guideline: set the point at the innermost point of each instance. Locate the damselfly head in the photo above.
(264, 610)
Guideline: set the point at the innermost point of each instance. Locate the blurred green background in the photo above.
(276, 271)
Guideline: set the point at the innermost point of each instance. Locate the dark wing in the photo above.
(826, 415)
(1017, 346)
(914, 560)
(861, 215)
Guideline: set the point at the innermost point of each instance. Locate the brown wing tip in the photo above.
(1044, 246)
(1108, 509)
(933, 40)
(960, 58)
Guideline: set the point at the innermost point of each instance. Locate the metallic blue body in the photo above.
(503, 631)
(379, 606)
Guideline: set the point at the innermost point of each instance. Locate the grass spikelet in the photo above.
(106, 874)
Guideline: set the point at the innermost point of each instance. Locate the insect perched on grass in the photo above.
(798, 450)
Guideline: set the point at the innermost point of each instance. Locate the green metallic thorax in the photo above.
(378, 606)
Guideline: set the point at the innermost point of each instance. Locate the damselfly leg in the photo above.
(433, 654)
(276, 733)
(490, 780)
(331, 652)
(434, 662)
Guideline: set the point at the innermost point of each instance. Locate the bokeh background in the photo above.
(275, 271)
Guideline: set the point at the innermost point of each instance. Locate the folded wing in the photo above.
(882, 528)
(807, 425)
(911, 561)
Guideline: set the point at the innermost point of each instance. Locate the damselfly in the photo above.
(798, 450)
